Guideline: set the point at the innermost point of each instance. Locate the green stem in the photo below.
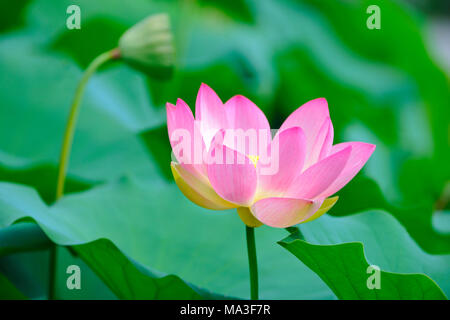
(252, 262)
(67, 145)
(74, 109)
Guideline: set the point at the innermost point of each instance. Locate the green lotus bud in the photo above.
(148, 46)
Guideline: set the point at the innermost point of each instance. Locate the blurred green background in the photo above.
(126, 219)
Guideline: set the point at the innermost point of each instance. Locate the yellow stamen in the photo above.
(254, 159)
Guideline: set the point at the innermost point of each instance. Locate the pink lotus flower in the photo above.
(308, 167)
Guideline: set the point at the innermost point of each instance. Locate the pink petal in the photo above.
(179, 117)
(316, 179)
(232, 174)
(243, 113)
(284, 212)
(185, 137)
(210, 111)
(250, 128)
(360, 153)
(287, 157)
(328, 142)
(322, 144)
(310, 117)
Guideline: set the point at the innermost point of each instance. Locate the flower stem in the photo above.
(73, 115)
(252, 262)
(67, 145)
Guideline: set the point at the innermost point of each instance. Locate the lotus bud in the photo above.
(148, 46)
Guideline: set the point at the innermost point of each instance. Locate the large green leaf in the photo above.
(386, 244)
(8, 291)
(29, 272)
(363, 193)
(126, 279)
(344, 269)
(40, 176)
(22, 237)
(129, 280)
(92, 286)
(154, 226)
